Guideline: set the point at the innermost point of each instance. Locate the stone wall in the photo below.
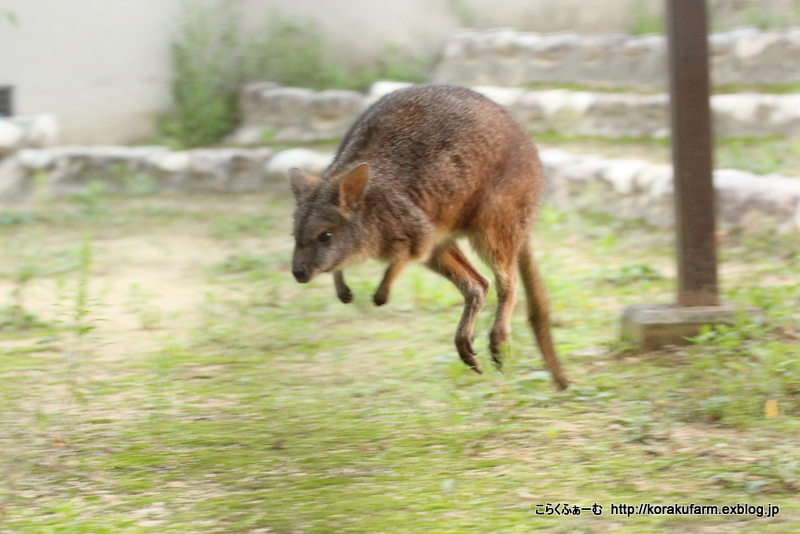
(510, 58)
(273, 113)
(643, 191)
(627, 189)
(69, 170)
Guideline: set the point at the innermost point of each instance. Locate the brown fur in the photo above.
(420, 168)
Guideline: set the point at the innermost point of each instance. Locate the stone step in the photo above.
(271, 113)
(510, 58)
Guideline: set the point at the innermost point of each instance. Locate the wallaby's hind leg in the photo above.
(449, 261)
(506, 285)
(342, 291)
(382, 293)
(500, 255)
(539, 314)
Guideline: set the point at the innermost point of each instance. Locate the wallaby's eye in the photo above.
(324, 237)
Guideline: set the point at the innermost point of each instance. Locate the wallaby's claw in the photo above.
(467, 355)
(497, 359)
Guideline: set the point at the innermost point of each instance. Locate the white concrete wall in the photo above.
(103, 66)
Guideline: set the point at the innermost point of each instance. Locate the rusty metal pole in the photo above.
(687, 38)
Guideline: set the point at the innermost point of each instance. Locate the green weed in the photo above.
(463, 12)
(645, 21)
(212, 60)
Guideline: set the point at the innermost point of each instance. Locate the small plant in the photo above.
(645, 21)
(8, 17)
(630, 273)
(17, 218)
(139, 303)
(77, 305)
(24, 263)
(463, 12)
(212, 62)
(133, 182)
(92, 200)
(762, 18)
(206, 78)
(250, 225)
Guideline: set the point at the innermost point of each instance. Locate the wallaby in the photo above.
(418, 169)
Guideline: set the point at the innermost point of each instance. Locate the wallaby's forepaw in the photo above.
(342, 291)
(345, 295)
(380, 298)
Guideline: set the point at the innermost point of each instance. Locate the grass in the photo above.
(645, 21)
(255, 404)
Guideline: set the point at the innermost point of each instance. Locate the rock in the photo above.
(752, 45)
(332, 112)
(35, 159)
(283, 113)
(42, 130)
(11, 136)
(277, 169)
(505, 96)
(15, 182)
(229, 169)
(380, 89)
(247, 170)
(622, 175)
(172, 162)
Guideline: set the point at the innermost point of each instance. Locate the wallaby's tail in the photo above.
(539, 314)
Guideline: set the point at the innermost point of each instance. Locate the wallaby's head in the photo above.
(326, 229)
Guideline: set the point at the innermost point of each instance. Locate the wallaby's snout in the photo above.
(301, 273)
(303, 263)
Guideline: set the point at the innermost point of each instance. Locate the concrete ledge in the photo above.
(652, 326)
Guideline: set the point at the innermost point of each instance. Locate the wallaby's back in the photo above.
(455, 153)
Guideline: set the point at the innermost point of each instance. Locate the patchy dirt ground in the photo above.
(162, 372)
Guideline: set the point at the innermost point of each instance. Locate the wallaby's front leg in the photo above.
(450, 262)
(382, 293)
(342, 291)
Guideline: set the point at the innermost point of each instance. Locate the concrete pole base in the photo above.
(652, 326)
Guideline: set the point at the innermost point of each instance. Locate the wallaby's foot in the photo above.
(497, 360)
(562, 382)
(464, 347)
(497, 340)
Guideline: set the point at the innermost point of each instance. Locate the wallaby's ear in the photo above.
(301, 181)
(352, 186)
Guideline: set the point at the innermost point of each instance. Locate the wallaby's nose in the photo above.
(300, 274)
